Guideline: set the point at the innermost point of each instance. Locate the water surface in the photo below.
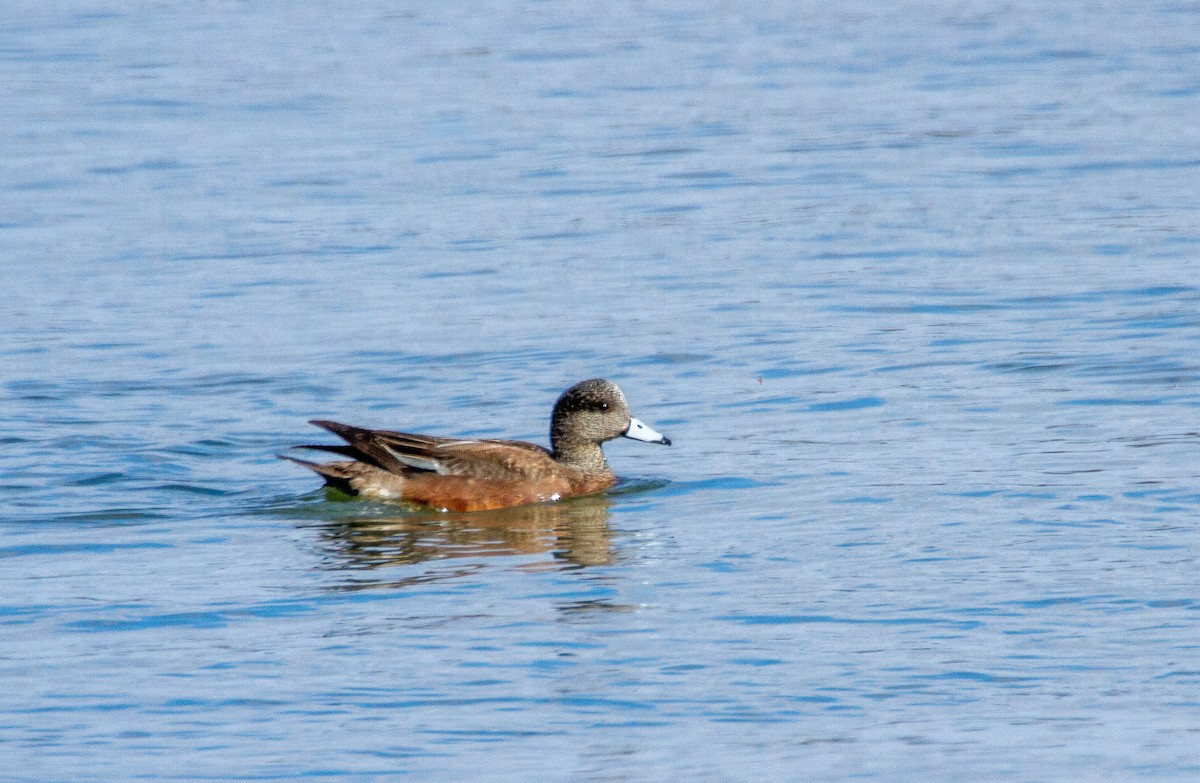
(912, 288)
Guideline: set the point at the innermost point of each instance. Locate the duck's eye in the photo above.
(604, 406)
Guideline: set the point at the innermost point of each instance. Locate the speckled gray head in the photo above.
(595, 410)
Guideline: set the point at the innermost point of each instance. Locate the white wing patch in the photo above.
(428, 463)
(420, 463)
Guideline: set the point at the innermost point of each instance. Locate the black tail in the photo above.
(365, 445)
(335, 474)
(345, 451)
(343, 431)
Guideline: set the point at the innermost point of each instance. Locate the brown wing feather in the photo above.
(497, 460)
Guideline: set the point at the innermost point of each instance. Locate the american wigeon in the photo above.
(457, 474)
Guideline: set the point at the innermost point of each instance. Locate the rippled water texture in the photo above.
(912, 287)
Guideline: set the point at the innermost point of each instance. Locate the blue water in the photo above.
(913, 288)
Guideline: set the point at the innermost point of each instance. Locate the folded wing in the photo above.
(402, 452)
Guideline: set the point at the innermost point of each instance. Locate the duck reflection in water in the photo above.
(570, 533)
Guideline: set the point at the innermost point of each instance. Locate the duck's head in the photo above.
(594, 411)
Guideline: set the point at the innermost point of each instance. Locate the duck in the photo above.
(465, 474)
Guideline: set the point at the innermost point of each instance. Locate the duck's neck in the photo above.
(587, 457)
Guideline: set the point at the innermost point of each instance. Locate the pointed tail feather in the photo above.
(343, 431)
(345, 451)
(334, 473)
(365, 445)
